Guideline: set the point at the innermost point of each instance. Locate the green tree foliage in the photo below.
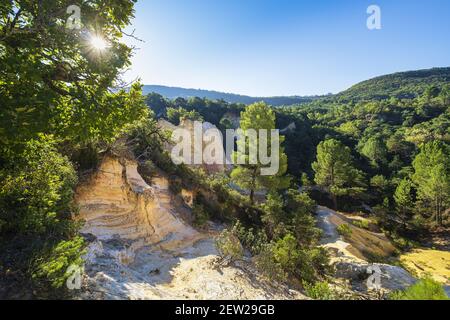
(176, 115)
(334, 169)
(403, 199)
(432, 179)
(59, 94)
(256, 117)
(425, 289)
(54, 81)
(375, 150)
(37, 188)
(35, 210)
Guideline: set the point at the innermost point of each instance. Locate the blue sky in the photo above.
(284, 47)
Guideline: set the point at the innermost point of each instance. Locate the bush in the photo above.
(363, 224)
(52, 267)
(201, 216)
(37, 235)
(175, 185)
(268, 266)
(284, 259)
(229, 246)
(425, 289)
(344, 230)
(319, 291)
(37, 190)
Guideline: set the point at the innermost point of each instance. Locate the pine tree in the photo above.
(334, 169)
(432, 179)
(248, 176)
(404, 200)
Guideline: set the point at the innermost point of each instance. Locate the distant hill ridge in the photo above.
(176, 92)
(401, 85)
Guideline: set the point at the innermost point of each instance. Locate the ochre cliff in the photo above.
(117, 202)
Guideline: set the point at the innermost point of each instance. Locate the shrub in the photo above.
(284, 259)
(319, 291)
(175, 185)
(201, 216)
(37, 190)
(229, 246)
(363, 224)
(267, 265)
(37, 233)
(425, 289)
(52, 267)
(344, 230)
(253, 239)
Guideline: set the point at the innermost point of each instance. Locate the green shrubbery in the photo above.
(229, 247)
(52, 267)
(36, 207)
(425, 289)
(319, 291)
(201, 216)
(363, 224)
(344, 230)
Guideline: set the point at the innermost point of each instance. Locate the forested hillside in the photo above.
(398, 85)
(380, 132)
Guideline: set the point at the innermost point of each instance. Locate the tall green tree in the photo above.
(258, 116)
(403, 200)
(432, 178)
(334, 169)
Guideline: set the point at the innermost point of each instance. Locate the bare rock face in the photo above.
(391, 278)
(118, 203)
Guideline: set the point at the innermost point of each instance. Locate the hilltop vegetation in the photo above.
(401, 85)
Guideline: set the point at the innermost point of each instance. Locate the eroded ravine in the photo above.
(141, 248)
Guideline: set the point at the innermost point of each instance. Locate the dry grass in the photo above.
(426, 261)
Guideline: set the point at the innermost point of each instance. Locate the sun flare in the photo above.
(98, 43)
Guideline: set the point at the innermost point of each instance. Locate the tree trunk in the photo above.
(335, 204)
(252, 189)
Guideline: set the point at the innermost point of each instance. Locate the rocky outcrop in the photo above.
(391, 278)
(118, 203)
